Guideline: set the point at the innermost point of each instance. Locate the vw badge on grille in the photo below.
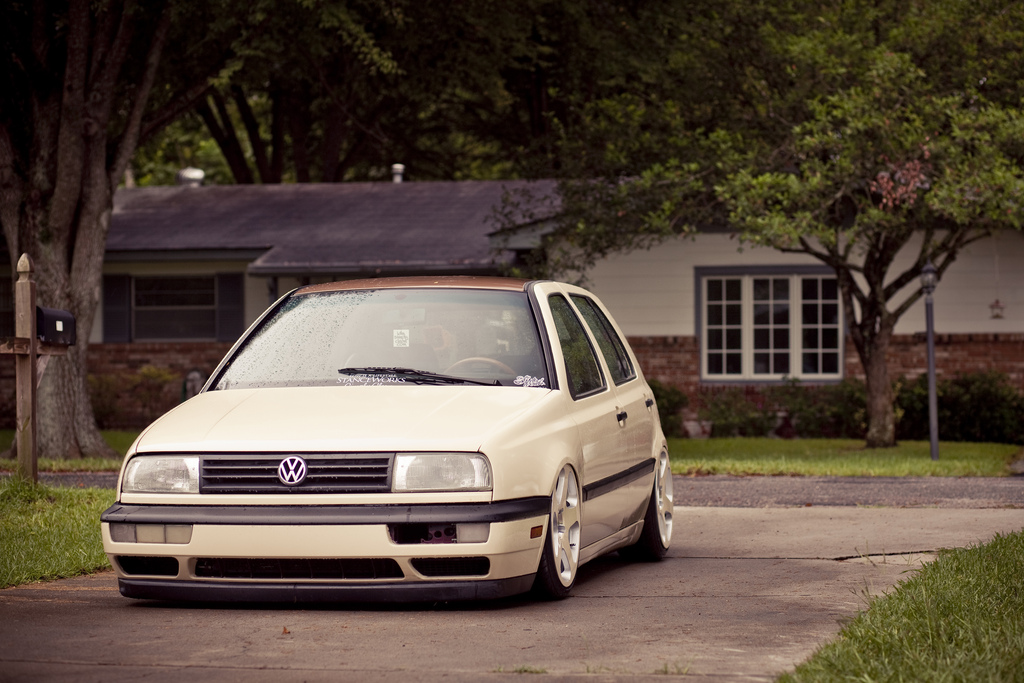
(292, 471)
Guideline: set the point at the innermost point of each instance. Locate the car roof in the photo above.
(420, 282)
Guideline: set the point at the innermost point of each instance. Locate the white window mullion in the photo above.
(796, 317)
(748, 327)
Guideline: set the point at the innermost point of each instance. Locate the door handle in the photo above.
(621, 417)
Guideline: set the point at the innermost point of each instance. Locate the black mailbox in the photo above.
(54, 326)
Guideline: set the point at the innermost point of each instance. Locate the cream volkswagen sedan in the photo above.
(400, 439)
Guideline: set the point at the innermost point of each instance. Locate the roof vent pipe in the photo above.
(397, 171)
(190, 177)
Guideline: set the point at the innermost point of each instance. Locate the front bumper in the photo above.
(427, 591)
(309, 553)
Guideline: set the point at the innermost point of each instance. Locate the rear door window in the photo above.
(611, 345)
(581, 366)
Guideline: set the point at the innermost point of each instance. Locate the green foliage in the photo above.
(836, 458)
(671, 401)
(155, 390)
(980, 407)
(120, 441)
(183, 143)
(846, 131)
(736, 412)
(961, 618)
(49, 533)
(831, 411)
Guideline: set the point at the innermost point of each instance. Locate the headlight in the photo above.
(162, 474)
(441, 472)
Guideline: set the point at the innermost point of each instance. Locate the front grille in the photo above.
(347, 473)
(271, 568)
(452, 566)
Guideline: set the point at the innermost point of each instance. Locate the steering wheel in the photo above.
(467, 362)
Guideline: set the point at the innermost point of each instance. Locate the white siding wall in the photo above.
(651, 293)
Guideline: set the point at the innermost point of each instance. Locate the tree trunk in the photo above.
(298, 124)
(881, 414)
(60, 160)
(252, 130)
(67, 426)
(223, 133)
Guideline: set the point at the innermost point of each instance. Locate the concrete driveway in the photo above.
(746, 593)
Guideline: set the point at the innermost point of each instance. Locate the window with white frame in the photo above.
(769, 325)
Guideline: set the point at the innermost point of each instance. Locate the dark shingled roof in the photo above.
(299, 229)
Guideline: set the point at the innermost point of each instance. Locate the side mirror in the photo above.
(54, 326)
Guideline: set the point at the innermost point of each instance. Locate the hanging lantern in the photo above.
(997, 308)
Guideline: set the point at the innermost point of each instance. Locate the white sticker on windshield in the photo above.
(400, 339)
(527, 381)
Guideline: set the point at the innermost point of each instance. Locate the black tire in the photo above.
(657, 532)
(559, 562)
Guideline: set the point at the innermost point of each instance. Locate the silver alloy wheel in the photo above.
(664, 494)
(565, 526)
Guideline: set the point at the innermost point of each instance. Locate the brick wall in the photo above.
(676, 360)
(126, 396)
(180, 357)
(672, 360)
(122, 401)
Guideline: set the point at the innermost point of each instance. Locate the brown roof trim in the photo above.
(439, 282)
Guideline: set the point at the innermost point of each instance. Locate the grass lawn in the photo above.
(838, 458)
(119, 440)
(808, 457)
(49, 533)
(961, 618)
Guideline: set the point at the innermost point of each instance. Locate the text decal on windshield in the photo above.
(369, 380)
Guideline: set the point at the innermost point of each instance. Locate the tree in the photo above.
(878, 169)
(345, 89)
(80, 82)
(470, 89)
(845, 132)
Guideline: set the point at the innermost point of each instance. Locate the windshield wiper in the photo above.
(417, 376)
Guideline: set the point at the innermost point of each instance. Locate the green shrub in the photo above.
(981, 407)
(734, 412)
(105, 392)
(133, 399)
(977, 407)
(828, 411)
(671, 401)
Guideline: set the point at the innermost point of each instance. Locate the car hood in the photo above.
(332, 419)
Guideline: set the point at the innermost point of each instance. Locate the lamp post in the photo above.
(928, 280)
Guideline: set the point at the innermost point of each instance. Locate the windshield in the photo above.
(346, 338)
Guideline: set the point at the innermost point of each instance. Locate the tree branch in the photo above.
(130, 137)
(73, 121)
(10, 196)
(252, 129)
(224, 134)
(177, 106)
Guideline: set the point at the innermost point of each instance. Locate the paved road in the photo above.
(748, 590)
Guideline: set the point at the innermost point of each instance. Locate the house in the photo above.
(708, 311)
(188, 268)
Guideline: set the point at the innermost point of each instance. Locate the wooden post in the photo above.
(26, 380)
(31, 355)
